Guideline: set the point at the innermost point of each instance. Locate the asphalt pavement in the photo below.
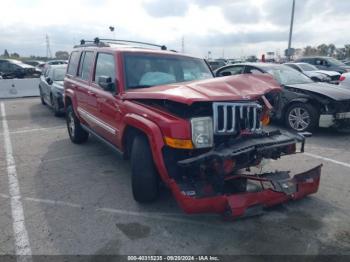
(76, 199)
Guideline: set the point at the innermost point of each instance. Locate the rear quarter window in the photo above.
(73, 63)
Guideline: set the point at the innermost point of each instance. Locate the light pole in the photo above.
(289, 51)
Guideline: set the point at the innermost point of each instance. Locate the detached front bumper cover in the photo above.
(271, 188)
(283, 188)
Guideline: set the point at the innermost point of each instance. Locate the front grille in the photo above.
(231, 118)
(335, 78)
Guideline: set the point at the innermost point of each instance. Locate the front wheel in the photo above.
(41, 96)
(55, 107)
(76, 133)
(302, 117)
(144, 176)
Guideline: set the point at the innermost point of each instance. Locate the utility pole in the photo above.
(289, 51)
(48, 49)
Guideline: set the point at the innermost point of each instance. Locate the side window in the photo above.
(73, 63)
(318, 62)
(85, 65)
(253, 70)
(234, 70)
(4, 66)
(105, 66)
(295, 67)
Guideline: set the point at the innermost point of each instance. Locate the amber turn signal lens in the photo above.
(265, 120)
(178, 143)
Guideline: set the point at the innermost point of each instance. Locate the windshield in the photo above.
(58, 74)
(308, 67)
(150, 70)
(288, 76)
(334, 61)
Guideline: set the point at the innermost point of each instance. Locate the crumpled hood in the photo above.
(328, 73)
(240, 87)
(332, 91)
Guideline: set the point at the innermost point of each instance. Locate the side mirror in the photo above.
(49, 80)
(106, 83)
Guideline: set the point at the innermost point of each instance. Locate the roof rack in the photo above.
(105, 43)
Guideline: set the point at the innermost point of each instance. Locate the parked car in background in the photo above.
(303, 104)
(344, 80)
(10, 68)
(51, 88)
(314, 73)
(53, 62)
(35, 63)
(234, 61)
(214, 64)
(326, 63)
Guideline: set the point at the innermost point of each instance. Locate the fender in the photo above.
(71, 94)
(155, 138)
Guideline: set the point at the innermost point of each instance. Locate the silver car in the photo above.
(314, 73)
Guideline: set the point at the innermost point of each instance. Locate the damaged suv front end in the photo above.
(206, 162)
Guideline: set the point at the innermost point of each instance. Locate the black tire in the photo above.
(55, 107)
(144, 176)
(41, 96)
(76, 133)
(306, 121)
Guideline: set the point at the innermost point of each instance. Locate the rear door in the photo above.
(108, 110)
(86, 98)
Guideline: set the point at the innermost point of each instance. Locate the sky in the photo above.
(229, 28)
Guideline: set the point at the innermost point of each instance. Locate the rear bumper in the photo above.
(281, 189)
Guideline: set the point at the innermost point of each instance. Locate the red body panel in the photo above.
(230, 88)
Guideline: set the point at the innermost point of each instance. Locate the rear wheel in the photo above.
(301, 117)
(76, 133)
(144, 176)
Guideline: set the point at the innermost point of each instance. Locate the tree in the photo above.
(309, 51)
(6, 54)
(331, 49)
(62, 55)
(347, 50)
(322, 50)
(15, 55)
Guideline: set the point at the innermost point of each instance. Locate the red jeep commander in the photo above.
(181, 126)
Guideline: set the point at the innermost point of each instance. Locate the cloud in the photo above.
(162, 8)
(206, 24)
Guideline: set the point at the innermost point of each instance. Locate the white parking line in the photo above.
(21, 131)
(32, 130)
(328, 159)
(22, 245)
(170, 217)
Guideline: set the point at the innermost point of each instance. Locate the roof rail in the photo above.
(104, 42)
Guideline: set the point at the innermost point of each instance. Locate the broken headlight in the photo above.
(202, 132)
